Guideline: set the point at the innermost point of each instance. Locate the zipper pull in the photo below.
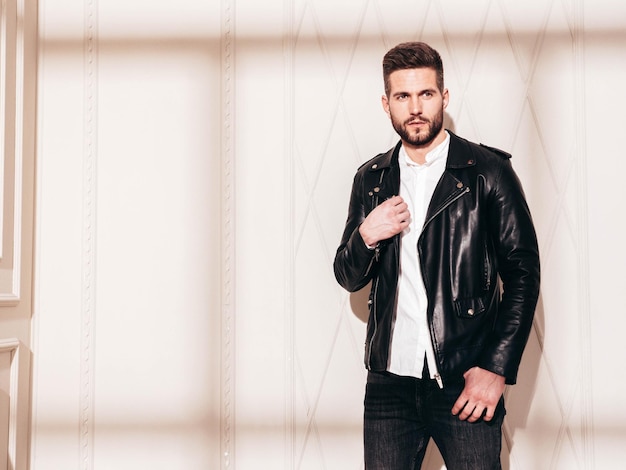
(439, 381)
(377, 252)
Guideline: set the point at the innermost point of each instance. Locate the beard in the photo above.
(420, 137)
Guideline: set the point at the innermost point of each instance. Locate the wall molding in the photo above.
(290, 238)
(227, 373)
(13, 102)
(584, 280)
(14, 387)
(88, 287)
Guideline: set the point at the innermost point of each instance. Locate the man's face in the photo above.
(415, 105)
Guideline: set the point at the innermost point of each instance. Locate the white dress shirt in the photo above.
(411, 341)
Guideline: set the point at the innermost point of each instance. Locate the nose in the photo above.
(415, 105)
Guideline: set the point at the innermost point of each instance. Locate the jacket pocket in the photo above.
(469, 308)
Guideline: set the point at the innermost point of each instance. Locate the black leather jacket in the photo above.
(478, 237)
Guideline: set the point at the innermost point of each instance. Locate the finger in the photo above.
(402, 208)
(400, 205)
(459, 405)
(395, 200)
(403, 216)
(489, 414)
(476, 414)
(467, 413)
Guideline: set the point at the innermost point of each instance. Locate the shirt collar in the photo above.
(439, 152)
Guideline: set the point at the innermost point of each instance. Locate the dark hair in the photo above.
(412, 55)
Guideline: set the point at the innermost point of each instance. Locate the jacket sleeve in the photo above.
(354, 261)
(517, 253)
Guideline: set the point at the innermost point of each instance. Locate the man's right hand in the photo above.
(386, 220)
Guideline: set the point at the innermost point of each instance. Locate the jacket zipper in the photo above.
(438, 378)
(374, 258)
(439, 381)
(458, 196)
(369, 352)
(375, 202)
(487, 268)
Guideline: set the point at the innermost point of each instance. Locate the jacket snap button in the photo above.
(374, 166)
(371, 193)
(459, 185)
(377, 189)
(470, 312)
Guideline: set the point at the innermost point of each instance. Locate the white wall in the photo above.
(195, 162)
(127, 318)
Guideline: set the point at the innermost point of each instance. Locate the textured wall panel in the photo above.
(516, 75)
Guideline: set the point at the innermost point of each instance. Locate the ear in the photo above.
(385, 101)
(446, 98)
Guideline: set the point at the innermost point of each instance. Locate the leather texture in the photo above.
(479, 258)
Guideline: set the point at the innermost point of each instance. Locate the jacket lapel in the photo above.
(383, 176)
(453, 183)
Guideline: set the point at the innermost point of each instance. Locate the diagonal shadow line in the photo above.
(299, 22)
(386, 37)
(570, 175)
(542, 142)
(464, 103)
(314, 214)
(570, 17)
(560, 184)
(338, 103)
(311, 213)
(565, 410)
(382, 28)
(565, 406)
(538, 42)
(310, 427)
(565, 432)
(529, 76)
(560, 208)
(312, 410)
(529, 81)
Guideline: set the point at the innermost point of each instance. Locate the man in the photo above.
(441, 228)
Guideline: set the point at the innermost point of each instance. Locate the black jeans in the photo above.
(403, 413)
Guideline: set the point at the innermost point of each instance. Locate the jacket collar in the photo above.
(385, 160)
(460, 155)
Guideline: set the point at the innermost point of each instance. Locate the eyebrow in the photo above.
(421, 92)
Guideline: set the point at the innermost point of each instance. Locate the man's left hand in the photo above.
(480, 396)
